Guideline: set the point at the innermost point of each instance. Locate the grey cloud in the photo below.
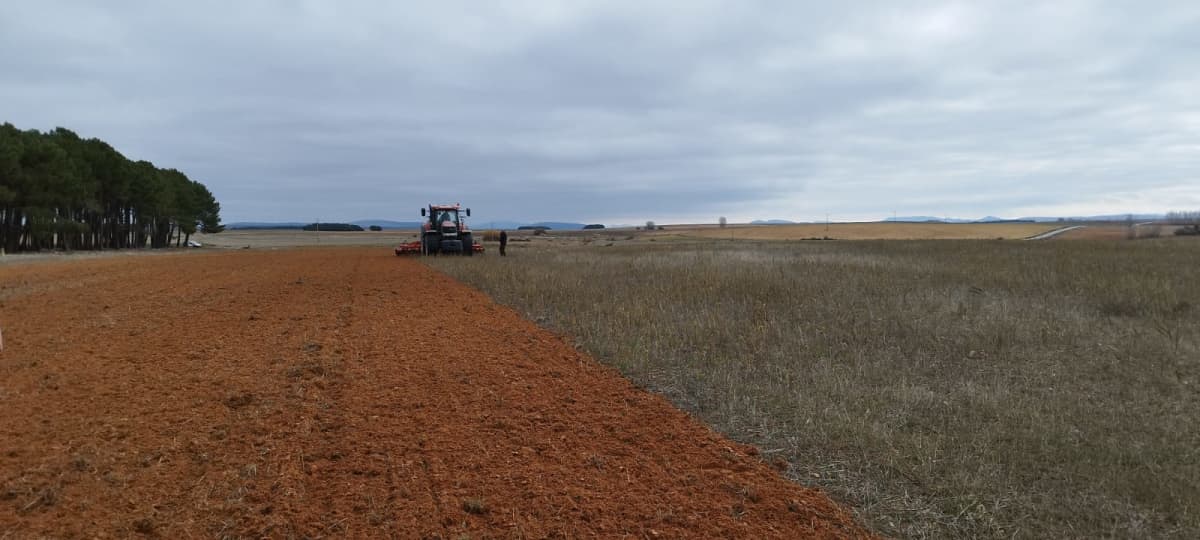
(609, 111)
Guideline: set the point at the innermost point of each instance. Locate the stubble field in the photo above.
(993, 389)
(271, 239)
(868, 231)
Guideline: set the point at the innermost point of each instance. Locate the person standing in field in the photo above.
(503, 241)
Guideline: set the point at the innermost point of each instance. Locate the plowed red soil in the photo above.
(341, 393)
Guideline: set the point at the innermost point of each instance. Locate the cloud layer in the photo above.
(622, 112)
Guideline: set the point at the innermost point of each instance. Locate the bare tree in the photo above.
(723, 222)
(650, 226)
(1187, 221)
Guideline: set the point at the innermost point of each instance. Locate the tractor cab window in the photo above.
(448, 215)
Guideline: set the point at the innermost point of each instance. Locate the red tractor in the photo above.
(444, 232)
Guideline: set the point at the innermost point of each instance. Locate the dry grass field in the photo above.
(869, 231)
(1105, 232)
(1118, 231)
(272, 238)
(945, 389)
(276, 238)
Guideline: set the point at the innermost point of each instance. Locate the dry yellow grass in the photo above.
(1107, 232)
(1117, 231)
(872, 231)
(969, 389)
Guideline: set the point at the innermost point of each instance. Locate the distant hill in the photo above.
(772, 222)
(1037, 219)
(388, 224)
(927, 219)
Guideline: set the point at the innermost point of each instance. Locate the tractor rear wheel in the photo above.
(468, 245)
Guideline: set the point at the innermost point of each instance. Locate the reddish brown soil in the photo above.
(346, 393)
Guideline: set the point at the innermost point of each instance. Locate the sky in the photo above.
(621, 112)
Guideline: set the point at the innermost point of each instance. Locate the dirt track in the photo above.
(346, 393)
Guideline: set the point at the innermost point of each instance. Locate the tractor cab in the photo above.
(446, 220)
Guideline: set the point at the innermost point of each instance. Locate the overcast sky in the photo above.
(620, 112)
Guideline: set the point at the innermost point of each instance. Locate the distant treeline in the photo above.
(58, 191)
(342, 227)
(266, 227)
(1189, 222)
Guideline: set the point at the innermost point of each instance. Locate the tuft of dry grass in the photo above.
(144, 526)
(237, 400)
(474, 506)
(943, 388)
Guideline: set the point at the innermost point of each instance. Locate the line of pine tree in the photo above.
(58, 191)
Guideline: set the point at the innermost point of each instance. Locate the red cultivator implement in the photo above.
(411, 248)
(414, 248)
